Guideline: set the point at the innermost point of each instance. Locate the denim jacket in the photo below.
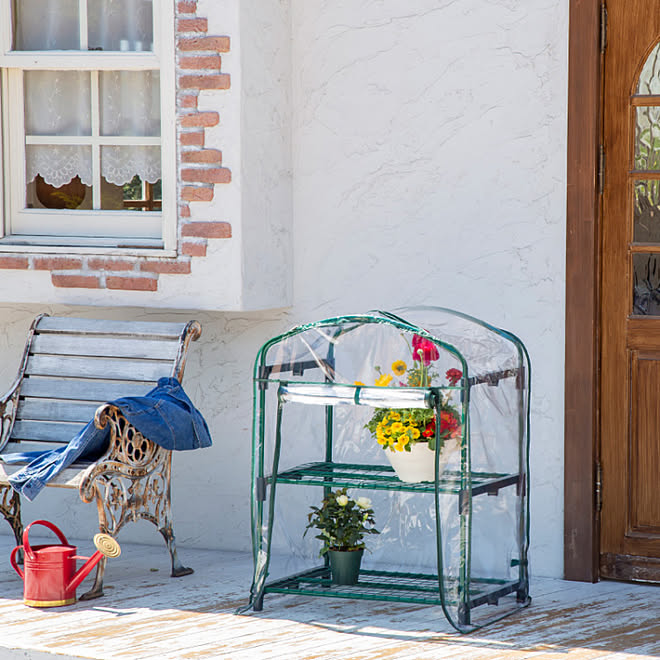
(165, 415)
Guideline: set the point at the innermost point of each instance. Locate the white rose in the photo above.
(363, 502)
(342, 500)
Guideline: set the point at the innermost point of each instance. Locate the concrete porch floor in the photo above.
(147, 614)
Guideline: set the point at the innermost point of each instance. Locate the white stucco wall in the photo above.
(428, 144)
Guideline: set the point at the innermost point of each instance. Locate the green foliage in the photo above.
(342, 521)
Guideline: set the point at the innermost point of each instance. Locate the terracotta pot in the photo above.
(418, 464)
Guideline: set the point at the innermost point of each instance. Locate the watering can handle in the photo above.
(12, 559)
(26, 544)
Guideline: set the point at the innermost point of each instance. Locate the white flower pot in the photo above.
(418, 464)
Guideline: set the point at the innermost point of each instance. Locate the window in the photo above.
(88, 119)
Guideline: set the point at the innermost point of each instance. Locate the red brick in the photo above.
(18, 263)
(178, 267)
(76, 281)
(184, 211)
(196, 194)
(217, 44)
(200, 62)
(200, 119)
(218, 81)
(56, 263)
(186, 6)
(192, 139)
(192, 25)
(206, 175)
(188, 101)
(193, 249)
(202, 156)
(97, 263)
(207, 229)
(132, 283)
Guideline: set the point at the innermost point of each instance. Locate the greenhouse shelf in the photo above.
(382, 477)
(390, 586)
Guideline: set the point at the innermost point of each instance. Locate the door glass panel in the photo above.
(649, 79)
(646, 211)
(647, 138)
(46, 25)
(646, 284)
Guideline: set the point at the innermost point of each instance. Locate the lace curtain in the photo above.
(58, 103)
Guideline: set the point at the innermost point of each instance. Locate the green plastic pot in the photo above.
(345, 565)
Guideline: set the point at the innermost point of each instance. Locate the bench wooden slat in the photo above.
(59, 411)
(94, 346)
(45, 431)
(82, 390)
(88, 367)
(69, 477)
(95, 327)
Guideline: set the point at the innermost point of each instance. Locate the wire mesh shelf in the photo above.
(392, 586)
(383, 477)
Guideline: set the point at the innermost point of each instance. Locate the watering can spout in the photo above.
(106, 547)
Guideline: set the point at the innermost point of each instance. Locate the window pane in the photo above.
(57, 103)
(46, 25)
(136, 195)
(120, 164)
(58, 174)
(120, 24)
(130, 103)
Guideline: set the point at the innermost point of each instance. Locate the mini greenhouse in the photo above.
(338, 402)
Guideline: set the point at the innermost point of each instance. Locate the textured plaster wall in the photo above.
(428, 149)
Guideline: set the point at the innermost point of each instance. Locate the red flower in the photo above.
(449, 425)
(429, 431)
(453, 376)
(424, 350)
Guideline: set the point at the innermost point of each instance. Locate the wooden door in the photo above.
(630, 294)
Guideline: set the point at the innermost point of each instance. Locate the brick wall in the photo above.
(200, 169)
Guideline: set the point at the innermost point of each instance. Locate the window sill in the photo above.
(83, 245)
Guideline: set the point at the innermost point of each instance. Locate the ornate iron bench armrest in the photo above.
(132, 479)
(8, 405)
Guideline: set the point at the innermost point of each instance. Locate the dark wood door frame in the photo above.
(581, 533)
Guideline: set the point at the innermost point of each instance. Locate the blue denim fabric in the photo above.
(165, 415)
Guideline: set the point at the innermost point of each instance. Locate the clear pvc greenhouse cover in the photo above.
(457, 541)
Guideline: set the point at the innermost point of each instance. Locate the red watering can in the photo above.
(50, 578)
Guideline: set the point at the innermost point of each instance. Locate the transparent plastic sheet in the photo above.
(459, 542)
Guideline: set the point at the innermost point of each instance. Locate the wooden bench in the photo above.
(71, 369)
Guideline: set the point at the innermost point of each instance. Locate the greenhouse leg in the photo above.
(463, 615)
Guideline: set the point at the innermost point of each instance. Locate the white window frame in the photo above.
(162, 223)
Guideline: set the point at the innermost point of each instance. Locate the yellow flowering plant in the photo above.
(399, 430)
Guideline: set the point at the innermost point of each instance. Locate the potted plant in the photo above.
(342, 523)
(410, 435)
